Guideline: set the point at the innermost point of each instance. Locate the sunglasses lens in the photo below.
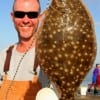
(20, 14)
(32, 14)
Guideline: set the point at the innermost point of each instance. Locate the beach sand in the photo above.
(87, 98)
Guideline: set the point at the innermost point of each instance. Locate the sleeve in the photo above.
(43, 79)
(2, 60)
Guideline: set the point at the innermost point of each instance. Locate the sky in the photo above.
(8, 34)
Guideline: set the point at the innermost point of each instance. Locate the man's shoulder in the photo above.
(2, 58)
(3, 51)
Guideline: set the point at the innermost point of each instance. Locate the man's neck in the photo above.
(23, 46)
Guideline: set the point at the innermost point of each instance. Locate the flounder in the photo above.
(66, 45)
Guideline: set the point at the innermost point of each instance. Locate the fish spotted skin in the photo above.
(66, 45)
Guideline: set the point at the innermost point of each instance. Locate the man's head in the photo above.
(98, 66)
(25, 16)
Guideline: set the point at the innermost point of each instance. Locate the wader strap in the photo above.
(8, 57)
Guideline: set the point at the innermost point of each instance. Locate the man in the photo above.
(18, 80)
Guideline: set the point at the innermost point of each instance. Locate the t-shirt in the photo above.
(25, 70)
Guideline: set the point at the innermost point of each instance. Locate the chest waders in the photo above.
(18, 90)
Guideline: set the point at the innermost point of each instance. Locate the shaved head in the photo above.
(26, 1)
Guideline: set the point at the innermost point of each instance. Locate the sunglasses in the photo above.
(21, 14)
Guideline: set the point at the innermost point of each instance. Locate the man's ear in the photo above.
(41, 17)
(12, 15)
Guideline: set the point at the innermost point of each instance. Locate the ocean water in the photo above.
(88, 78)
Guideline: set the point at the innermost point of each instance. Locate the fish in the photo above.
(66, 45)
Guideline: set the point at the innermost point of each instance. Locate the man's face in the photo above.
(25, 26)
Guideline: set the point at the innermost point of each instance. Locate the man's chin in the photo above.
(27, 38)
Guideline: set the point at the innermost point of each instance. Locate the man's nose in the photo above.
(26, 19)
